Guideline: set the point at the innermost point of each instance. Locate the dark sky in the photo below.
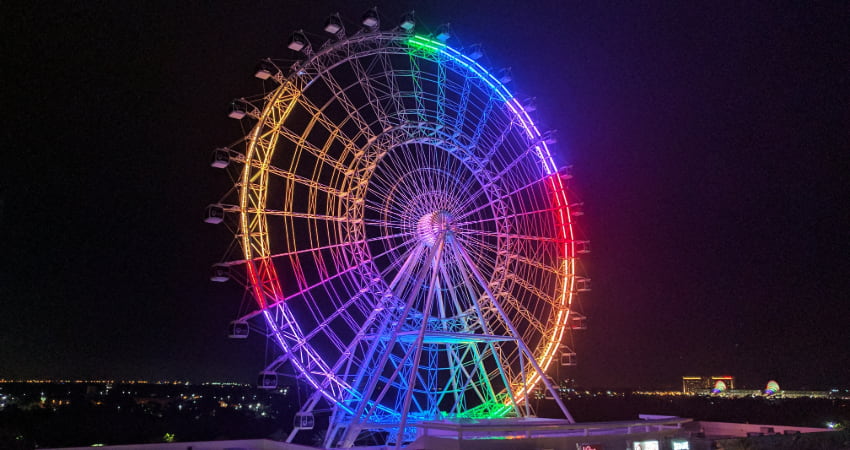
(710, 145)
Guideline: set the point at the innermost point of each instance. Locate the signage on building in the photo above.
(589, 447)
(681, 445)
(645, 445)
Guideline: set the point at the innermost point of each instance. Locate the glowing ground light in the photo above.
(406, 235)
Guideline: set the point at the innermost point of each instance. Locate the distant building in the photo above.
(692, 384)
(772, 390)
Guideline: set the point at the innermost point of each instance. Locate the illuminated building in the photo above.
(771, 390)
(691, 384)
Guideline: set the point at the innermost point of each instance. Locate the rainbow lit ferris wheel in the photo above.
(406, 238)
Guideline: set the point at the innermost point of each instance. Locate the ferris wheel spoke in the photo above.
(441, 179)
(386, 189)
(397, 168)
(484, 258)
(492, 179)
(331, 277)
(389, 237)
(472, 198)
(543, 212)
(399, 198)
(386, 185)
(474, 240)
(526, 237)
(319, 284)
(388, 225)
(327, 247)
(517, 159)
(393, 218)
(393, 223)
(467, 192)
(535, 182)
(441, 187)
(508, 195)
(322, 327)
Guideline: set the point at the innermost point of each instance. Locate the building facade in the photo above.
(691, 384)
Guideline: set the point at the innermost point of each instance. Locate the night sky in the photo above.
(710, 147)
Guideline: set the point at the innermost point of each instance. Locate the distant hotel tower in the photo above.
(691, 384)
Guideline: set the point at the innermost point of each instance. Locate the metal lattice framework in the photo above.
(406, 236)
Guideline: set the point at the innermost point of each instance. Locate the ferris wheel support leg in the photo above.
(336, 424)
(524, 348)
(334, 429)
(409, 261)
(524, 384)
(450, 350)
(420, 279)
(374, 316)
(291, 435)
(417, 356)
(354, 427)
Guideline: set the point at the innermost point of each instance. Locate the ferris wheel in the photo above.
(406, 238)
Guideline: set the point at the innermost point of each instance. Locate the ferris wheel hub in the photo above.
(434, 224)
